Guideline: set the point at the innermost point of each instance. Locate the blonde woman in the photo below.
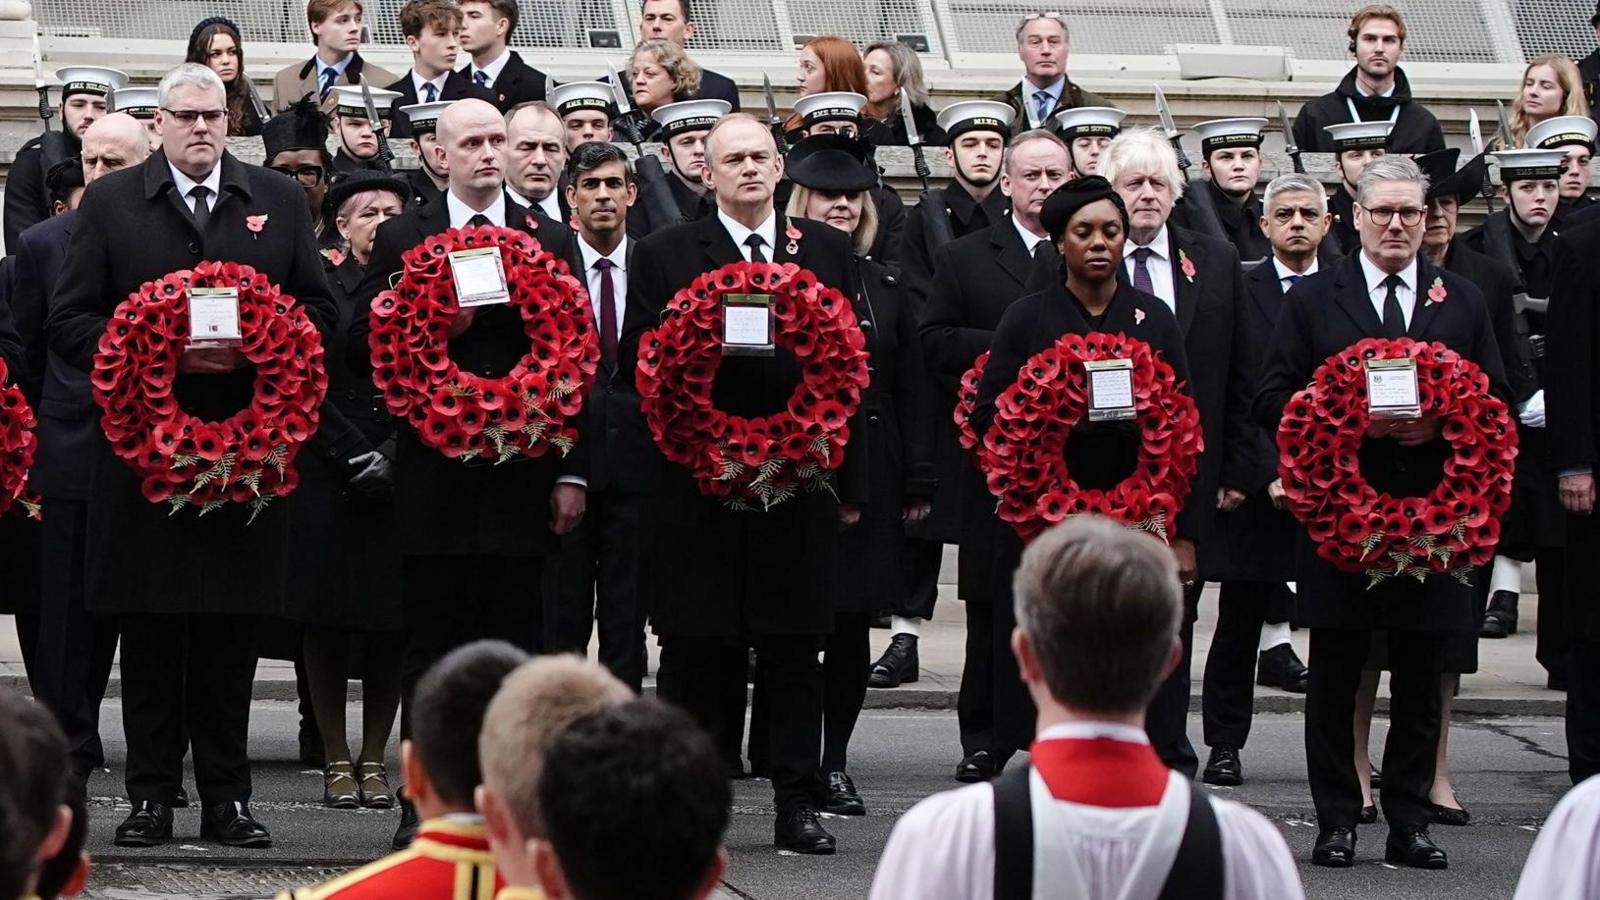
(1551, 86)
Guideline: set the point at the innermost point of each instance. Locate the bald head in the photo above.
(463, 114)
(114, 142)
(472, 149)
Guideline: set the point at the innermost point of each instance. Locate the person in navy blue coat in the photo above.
(1374, 294)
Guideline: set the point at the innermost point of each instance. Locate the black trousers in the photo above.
(846, 662)
(75, 647)
(188, 675)
(1166, 719)
(696, 672)
(596, 578)
(1583, 709)
(455, 600)
(1227, 693)
(920, 560)
(1337, 657)
(975, 702)
(1554, 642)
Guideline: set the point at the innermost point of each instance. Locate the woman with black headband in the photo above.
(215, 43)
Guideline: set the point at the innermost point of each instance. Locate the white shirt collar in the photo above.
(1375, 275)
(185, 184)
(1029, 239)
(417, 81)
(1090, 730)
(1284, 272)
(768, 229)
(339, 66)
(551, 206)
(618, 257)
(460, 212)
(1159, 245)
(493, 69)
(1054, 88)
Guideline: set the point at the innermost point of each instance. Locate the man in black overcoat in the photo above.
(1383, 291)
(432, 31)
(473, 534)
(976, 279)
(188, 590)
(673, 20)
(726, 579)
(1375, 89)
(976, 132)
(486, 29)
(1201, 281)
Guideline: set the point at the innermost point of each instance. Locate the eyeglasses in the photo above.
(187, 117)
(1052, 16)
(310, 176)
(1410, 216)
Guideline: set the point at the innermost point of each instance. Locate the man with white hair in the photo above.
(188, 590)
(1387, 290)
(1043, 44)
(1201, 281)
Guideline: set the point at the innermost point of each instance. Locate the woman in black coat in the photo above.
(1088, 224)
(344, 573)
(831, 185)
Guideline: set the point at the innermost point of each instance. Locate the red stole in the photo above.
(1101, 771)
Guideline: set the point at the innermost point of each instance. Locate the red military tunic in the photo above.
(448, 861)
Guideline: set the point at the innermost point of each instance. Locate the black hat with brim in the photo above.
(1445, 180)
(832, 163)
(1066, 200)
(359, 180)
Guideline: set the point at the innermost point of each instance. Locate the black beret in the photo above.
(358, 180)
(1073, 196)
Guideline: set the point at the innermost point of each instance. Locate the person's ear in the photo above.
(1022, 649)
(56, 837)
(572, 196)
(494, 815)
(631, 193)
(1174, 658)
(416, 777)
(547, 869)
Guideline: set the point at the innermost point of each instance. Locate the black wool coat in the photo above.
(518, 83)
(1415, 128)
(133, 227)
(718, 572)
(1572, 402)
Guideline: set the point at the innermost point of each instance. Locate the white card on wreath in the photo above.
(1392, 389)
(480, 277)
(214, 317)
(747, 325)
(1110, 389)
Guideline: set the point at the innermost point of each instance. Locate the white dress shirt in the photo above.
(768, 230)
(1160, 266)
(551, 206)
(1377, 291)
(185, 184)
(1285, 273)
(1029, 240)
(619, 277)
(461, 213)
(492, 69)
(417, 81)
(943, 848)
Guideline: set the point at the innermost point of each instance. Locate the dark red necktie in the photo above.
(608, 313)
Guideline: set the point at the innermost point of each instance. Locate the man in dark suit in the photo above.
(84, 90)
(975, 132)
(1382, 291)
(1253, 545)
(596, 575)
(188, 590)
(71, 674)
(473, 536)
(432, 30)
(536, 160)
(725, 579)
(671, 20)
(1375, 90)
(1201, 281)
(976, 278)
(487, 26)
(1043, 44)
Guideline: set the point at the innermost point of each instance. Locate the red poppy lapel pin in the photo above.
(533, 221)
(794, 235)
(334, 255)
(1138, 316)
(256, 223)
(1187, 265)
(1437, 293)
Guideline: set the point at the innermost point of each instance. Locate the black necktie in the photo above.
(1394, 321)
(202, 210)
(433, 92)
(481, 77)
(329, 76)
(754, 242)
(1294, 279)
(479, 220)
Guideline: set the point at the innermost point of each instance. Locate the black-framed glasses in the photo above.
(1409, 215)
(187, 117)
(310, 176)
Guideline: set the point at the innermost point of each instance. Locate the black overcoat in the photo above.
(1415, 128)
(1572, 402)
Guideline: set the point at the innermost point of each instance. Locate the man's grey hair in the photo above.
(1028, 137)
(1142, 150)
(188, 75)
(1058, 18)
(1295, 183)
(1392, 167)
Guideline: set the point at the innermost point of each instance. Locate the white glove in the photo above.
(1532, 414)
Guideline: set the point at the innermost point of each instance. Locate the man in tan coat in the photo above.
(336, 31)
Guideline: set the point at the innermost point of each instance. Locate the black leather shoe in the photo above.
(898, 665)
(1413, 847)
(975, 767)
(1500, 619)
(1223, 769)
(409, 823)
(1455, 817)
(799, 830)
(180, 800)
(843, 800)
(1369, 814)
(1281, 668)
(149, 825)
(1336, 848)
(231, 825)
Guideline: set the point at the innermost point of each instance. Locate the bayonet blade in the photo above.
(913, 138)
(1288, 133)
(772, 104)
(372, 106)
(1475, 133)
(620, 96)
(38, 63)
(255, 100)
(1505, 126)
(1169, 127)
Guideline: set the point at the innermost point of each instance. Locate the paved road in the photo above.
(1510, 771)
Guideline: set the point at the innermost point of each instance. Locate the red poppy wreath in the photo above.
(967, 400)
(1359, 529)
(17, 446)
(467, 416)
(754, 463)
(184, 460)
(1023, 458)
